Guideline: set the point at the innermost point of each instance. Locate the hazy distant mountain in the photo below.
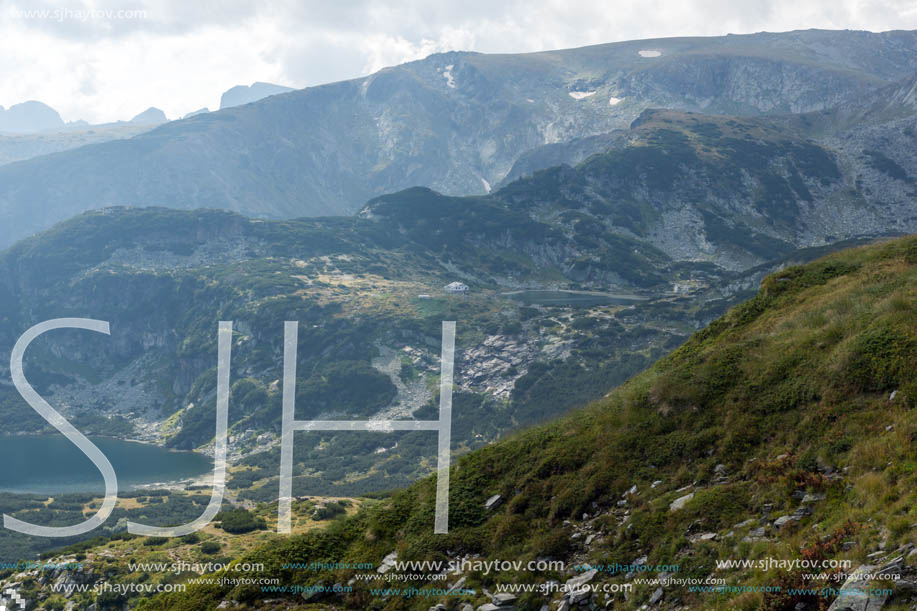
(150, 115)
(199, 111)
(240, 94)
(455, 122)
(48, 134)
(19, 147)
(28, 117)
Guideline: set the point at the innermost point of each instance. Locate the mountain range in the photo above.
(454, 122)
(649, 229)
(33, 129)
(655, 237)
(654, 228)
(240, 94)
(29, 116)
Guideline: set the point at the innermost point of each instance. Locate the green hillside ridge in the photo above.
(806, 389)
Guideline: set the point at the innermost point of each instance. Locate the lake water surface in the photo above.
(50, 464)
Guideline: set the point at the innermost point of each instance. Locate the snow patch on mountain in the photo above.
(447, 74)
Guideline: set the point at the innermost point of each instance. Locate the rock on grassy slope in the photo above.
(782, 431)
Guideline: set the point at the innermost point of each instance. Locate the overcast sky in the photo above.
(180, 55)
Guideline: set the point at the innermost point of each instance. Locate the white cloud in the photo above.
(182, 55)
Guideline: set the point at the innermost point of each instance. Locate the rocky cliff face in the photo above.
(678, 189)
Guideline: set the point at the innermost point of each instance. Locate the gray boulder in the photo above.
(493, 502)
(680, 502)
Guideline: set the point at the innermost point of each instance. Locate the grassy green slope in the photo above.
(789, 392)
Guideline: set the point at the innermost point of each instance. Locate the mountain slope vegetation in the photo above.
(784, 429)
